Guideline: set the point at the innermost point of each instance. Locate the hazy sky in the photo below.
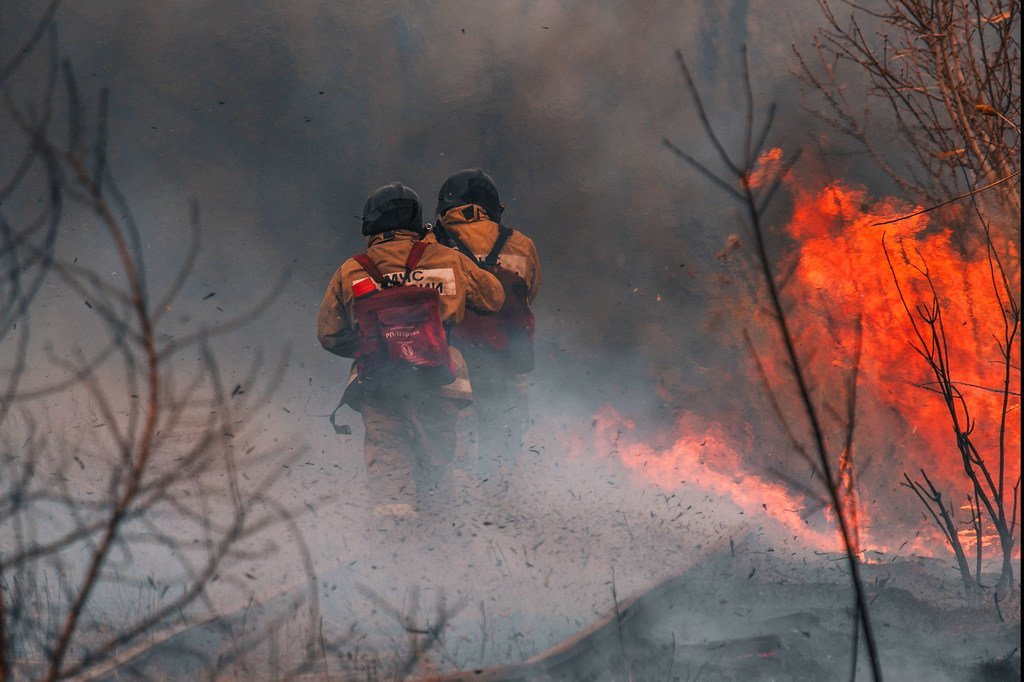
(279, 119)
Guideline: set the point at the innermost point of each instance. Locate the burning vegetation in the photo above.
(857, 276)
(876, 433)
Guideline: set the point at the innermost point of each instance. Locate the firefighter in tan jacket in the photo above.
(469, 220)
(409, 417)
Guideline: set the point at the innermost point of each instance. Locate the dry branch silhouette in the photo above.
(736, 183)
(157, 479)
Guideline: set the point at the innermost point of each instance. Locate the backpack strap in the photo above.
(415, 253)
(333, 418)
(413, 259)
(503, 234)
(370, 267)
(491, 259)
(461, 246)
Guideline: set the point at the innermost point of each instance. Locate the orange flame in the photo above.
(842, 276)
(846, 290)
(707, 458)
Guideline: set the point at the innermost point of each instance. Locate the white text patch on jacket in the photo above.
(442, 279)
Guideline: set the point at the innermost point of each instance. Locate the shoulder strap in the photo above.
(413, 259)
(370, 267)
(491, 259)
(415, 253)
(461, 246)
(503, 234)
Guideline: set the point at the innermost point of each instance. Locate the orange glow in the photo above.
(839, 285)
(707, 458)
(848, 494)
(767, 167)
(842, 274)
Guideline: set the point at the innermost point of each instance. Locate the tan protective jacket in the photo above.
(472, 226)
(459, 281)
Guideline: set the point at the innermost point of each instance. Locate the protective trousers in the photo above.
(409, 445)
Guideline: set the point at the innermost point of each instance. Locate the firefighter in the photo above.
(497, 349)
(409, 410)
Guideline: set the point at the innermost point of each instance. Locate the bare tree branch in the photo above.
(739, 174)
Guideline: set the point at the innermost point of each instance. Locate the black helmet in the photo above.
(392, 207)
(470, 186)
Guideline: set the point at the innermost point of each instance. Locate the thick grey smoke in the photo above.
(279, 119)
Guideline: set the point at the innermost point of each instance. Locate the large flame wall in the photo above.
(840, 288)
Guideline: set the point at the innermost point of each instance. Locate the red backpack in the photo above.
(507, 334)
(398, 327)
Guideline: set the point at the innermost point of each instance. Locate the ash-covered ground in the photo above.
(578, 570)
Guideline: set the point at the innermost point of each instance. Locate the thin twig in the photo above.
(950, 201)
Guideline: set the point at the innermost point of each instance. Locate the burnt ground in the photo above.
(720, 621)
(609, 583)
